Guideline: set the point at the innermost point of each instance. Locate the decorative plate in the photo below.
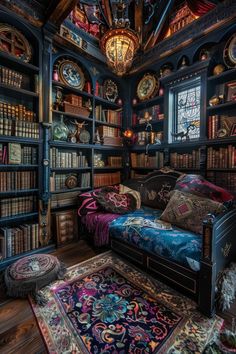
(14, 43)
(230, 52)
(147, 87)
(110, 90)
(71, 74)
(71, 182)
(84, 136)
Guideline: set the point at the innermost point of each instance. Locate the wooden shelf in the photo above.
(144, 168)
(18, 192)
(18, 167)
(67, 145)
(70, 115)
(221, 141)
(147, 103)
(143, 125)
(98, 122)
(222, 106)
(19, 140)
(105, 102)
(71, 190)
(107, 147)
(17, 92)
(151, 147)
(72, 89)
(223, 77)
(222, 169)
(107, 168)
(18, 64)
(18, 218)
(70, 169)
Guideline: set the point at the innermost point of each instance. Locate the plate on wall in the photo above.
(71, 74)
(147, 87)
(230, 52)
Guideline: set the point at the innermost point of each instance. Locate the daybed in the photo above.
(183, 259)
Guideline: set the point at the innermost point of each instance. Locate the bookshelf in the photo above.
(20, 148)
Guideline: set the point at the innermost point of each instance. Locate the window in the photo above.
(186, 110)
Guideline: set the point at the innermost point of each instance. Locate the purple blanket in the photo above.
(98, 224)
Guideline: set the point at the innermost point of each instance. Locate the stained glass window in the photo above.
(187, 111)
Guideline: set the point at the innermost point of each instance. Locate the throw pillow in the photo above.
(188, 210)
(136, 194)
(116, 203)
(198, 185)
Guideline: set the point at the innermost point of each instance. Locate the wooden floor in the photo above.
(19, 333)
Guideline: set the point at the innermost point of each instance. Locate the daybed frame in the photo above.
(219, 249)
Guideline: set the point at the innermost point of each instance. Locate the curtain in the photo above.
(200, 7)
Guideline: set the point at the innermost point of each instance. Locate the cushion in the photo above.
(87, 203)
(116, 203)
(136, 194)
(198, 185)
(188, 210)
(29, 274)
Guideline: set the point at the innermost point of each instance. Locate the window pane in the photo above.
(188, 112)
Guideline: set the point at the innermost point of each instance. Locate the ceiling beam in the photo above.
(161, 15)
(138, 18)
(58, 11)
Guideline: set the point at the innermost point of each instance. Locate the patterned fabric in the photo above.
(136, 194)
(108, 306)
(116, 203)
(198, 185)
(188, 211)
(98, 225)
(31, 273)
(183, 247)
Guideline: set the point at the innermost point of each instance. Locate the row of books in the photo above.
(220, 126)
(106, 131)
(68, 159)
(146, 137)
(143, 160)
(104, 179)
(16, 154)
(191, 160)
(114, 161)
(64, 181)
(151, 113)
(108, 115)
(10, 77)
(136, 175)
(69, 198)
(223, 157)
(19, 128)
(20, 205)
(18, 240)
(223, 179)
(18, 112)
(17, 180)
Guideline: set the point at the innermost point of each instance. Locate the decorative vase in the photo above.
(60, 130)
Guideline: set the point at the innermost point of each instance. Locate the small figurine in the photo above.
(185, 135)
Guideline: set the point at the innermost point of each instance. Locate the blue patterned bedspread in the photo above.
(141, 228)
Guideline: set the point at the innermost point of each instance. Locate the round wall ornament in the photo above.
(147, 87)
(229, 53)
(110, 90)
(71, 74)
(71, 182)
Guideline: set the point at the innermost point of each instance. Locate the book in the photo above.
(14, 154)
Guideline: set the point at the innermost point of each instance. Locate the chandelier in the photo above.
(120, 43)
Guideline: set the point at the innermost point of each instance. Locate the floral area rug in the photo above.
(106, 305)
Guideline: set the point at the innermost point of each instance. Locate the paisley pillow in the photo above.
(116, 203)
(198, 185)
(188, 210)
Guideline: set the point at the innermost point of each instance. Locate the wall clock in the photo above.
(147, 87)
(14, 43)
(71, 74)
(71, 182)
(84, 136)
(110, 90)
(230, 52)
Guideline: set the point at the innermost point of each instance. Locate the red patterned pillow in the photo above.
(87, 202)
(198, 185)
(116, 203)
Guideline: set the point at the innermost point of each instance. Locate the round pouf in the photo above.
(29, 274)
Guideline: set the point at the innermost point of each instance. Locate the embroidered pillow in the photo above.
(188, 210)
(198, 185)
(116, 203)
(136, 194)
(87, 202)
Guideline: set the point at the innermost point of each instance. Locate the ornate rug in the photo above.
(106, 305)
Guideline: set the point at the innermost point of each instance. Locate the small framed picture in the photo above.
(231, 91)
(233, 130)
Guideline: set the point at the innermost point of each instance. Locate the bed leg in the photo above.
(207, 280)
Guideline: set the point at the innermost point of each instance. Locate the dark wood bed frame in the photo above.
(219, 249)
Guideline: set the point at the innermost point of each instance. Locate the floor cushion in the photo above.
(29, 274)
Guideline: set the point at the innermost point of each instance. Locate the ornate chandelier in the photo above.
(120, 43)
